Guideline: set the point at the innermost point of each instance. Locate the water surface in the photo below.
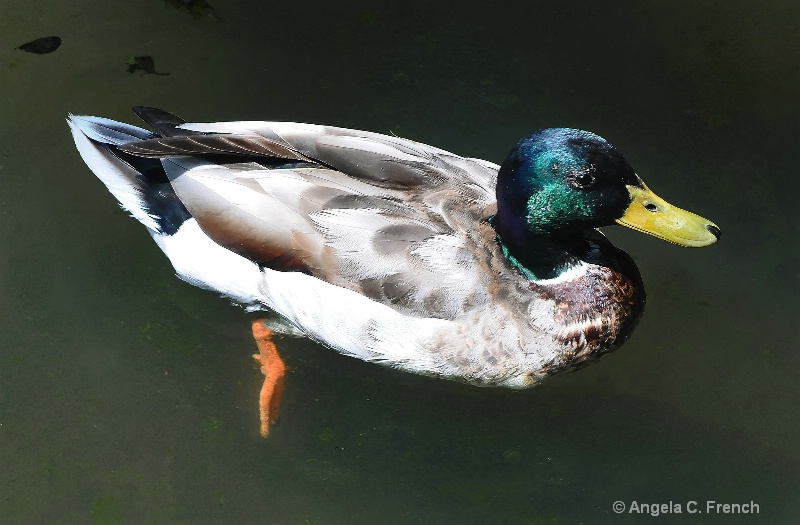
(127, 396)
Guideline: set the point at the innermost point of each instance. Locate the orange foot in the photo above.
(273, 368)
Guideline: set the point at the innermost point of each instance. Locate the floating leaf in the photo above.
(41, 46)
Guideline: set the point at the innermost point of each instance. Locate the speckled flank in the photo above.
(558, 325)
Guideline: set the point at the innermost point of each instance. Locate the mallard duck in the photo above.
(392, 251)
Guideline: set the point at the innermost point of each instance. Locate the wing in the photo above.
(400, 222)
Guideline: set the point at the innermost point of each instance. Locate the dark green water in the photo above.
(127, 396)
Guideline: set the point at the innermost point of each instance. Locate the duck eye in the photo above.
(583, 180)
(651, 207)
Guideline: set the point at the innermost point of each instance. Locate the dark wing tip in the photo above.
(165, 123)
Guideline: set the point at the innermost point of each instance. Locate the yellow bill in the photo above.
(649, 213)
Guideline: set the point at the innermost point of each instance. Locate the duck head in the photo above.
(560, 182)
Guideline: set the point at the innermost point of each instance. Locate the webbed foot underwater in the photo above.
(393, 251)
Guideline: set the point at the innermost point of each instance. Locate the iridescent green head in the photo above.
(560, 181)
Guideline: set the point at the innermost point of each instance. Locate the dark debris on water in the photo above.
(41, 46)
(196, 8)
(144, 64)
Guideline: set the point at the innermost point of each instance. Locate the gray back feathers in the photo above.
(390, 218)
